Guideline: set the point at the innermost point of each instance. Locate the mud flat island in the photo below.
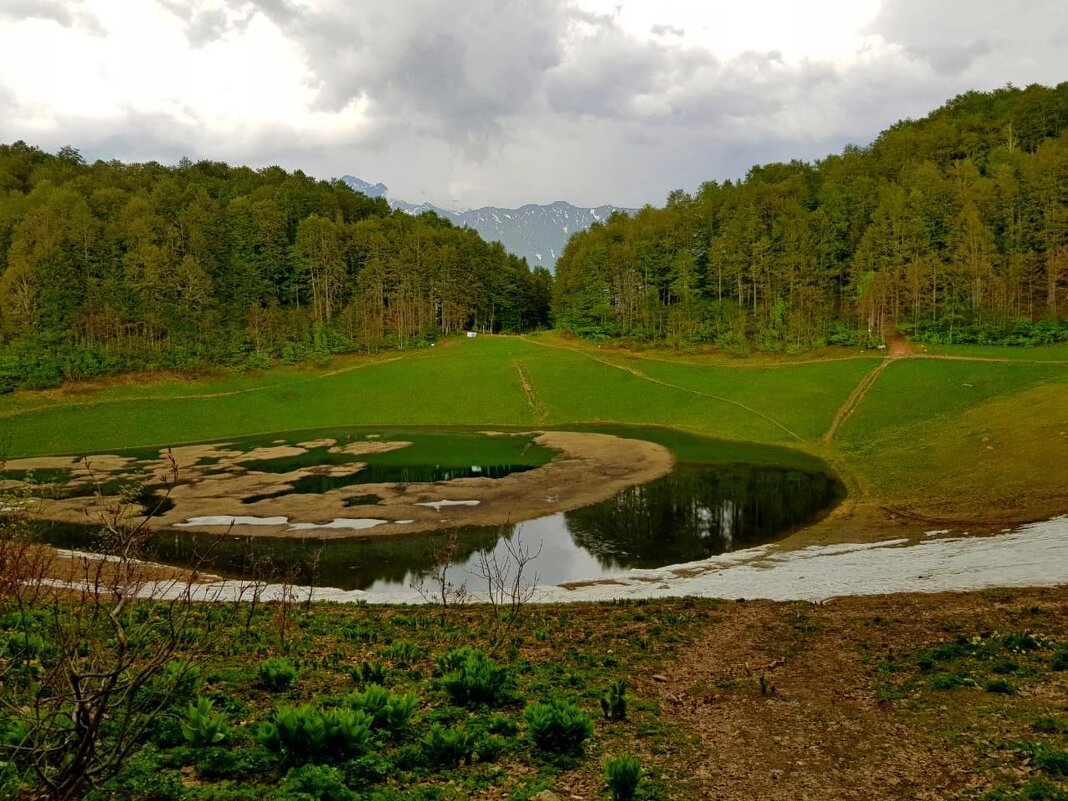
(588, 468)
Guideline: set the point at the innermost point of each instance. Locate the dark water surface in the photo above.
(697, 511)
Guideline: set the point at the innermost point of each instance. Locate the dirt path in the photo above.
(825, 734)
(899, 346)
(854, 399)
(537, 407)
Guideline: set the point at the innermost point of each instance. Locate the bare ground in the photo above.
(825, 734)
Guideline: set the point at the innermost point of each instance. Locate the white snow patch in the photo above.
(238, 520)
(438, 505)
(1034, 555)
(355, 523)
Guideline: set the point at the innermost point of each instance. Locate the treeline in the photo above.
(954, 228)
(112, 266)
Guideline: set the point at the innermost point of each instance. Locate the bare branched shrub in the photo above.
(510, 586)
(435, 587)
(89, 659)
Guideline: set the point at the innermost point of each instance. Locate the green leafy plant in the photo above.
(558, 726)
(181, 679)
(385, 709)
(1051, 760)
(1060, 659)
(277, 674)
(950, 681)
(203, 726)
(294, 732)
(622, 775)
(347, 730)
(403, 652)
(369, 673)
(471, 678)
(442, 746)
(1000, 687)
(614, 701)
(318, 782)
(372, 700)
(399, 711)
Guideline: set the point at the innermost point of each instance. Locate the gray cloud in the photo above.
(667, 30)
(451, 69)
(955, 35)
(67, 13)
(486, 102)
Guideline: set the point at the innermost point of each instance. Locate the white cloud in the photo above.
(487, 102)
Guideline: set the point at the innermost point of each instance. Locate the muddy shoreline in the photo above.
(589, 468)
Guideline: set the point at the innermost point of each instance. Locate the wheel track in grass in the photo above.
(537, 407)
(639, 374)
(855, 397)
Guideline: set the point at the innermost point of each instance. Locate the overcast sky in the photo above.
(501, 102)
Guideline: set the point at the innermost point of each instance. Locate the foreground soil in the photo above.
(848, 714)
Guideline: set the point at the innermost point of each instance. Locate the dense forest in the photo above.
(112, 266)
(954, 228)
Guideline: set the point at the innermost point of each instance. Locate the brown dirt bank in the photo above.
(590, 468)
(832, 730)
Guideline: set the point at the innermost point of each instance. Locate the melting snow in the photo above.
(356, 523)
(437, 505)
(1034, 555)
(231, 520)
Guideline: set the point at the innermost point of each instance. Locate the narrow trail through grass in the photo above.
(855, 398)
(540, 412)
(640, 375)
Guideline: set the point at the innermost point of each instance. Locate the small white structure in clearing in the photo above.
(472, 334)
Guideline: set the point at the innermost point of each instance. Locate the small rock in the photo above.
(546, 795)
(660, 678)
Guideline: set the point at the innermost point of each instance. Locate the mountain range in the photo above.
(535, 232)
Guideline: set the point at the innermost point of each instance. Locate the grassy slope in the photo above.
(916, 440)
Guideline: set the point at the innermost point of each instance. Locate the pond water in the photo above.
(697, 511)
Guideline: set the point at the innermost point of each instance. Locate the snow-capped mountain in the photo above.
(535, 232)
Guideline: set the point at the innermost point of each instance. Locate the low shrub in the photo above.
(472, 678)
(1021, 643)
(558, 726)
(302, 733)
(180, 679)
(277, 674)
(314, 783)
(369, 673)
(950, 681)
(1000, 687)
(403, 652)
(203, 726)
(1034, 790)
(448, 747)
(1060, 659)
(387, 710)
(622, 776)
(1051, 760)
(614, 701)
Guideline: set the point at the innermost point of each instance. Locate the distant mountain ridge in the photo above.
(535, 232)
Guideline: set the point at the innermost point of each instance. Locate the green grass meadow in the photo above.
(907, 432)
